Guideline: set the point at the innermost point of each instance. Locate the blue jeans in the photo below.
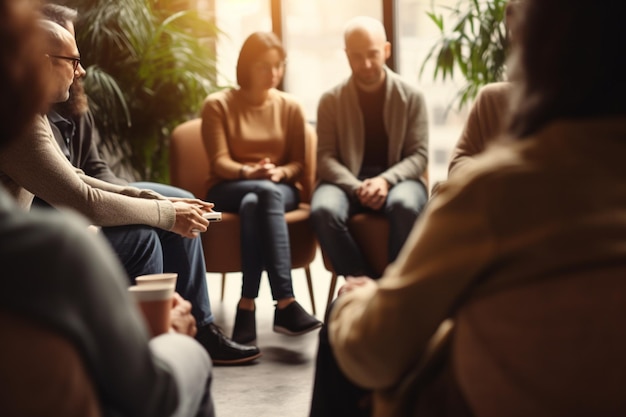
(331, 208)
(147, 250)
(261, 205)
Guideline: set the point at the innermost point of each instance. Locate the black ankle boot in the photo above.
(222, 350)
(293, 320)
(245, 326)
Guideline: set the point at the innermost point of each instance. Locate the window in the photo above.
(313, 36)
(312, 33)
(415, 36)
(237, 19)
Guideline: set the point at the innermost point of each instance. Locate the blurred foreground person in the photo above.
(524, 252)
(64, 288)
(141, 249)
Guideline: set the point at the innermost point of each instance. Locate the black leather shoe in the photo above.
(222, 350)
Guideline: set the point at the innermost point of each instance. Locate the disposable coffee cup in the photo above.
(168, 278)
(155, 302)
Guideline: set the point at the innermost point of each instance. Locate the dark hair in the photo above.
(254, 46)
(59, 14)
(21, 68)
(569, 63)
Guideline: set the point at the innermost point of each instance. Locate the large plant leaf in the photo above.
(476, 44)
(149, 70)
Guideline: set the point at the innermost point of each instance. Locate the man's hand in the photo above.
(356, 282)
(189, 221)
(203, 205)
(373, 192)
(180, 316)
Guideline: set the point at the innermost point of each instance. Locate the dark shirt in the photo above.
(376, 141)
(78, 138)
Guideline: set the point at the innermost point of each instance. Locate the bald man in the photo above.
(372, 152)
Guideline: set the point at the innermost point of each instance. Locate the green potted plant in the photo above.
(148, 69)
(473, 41)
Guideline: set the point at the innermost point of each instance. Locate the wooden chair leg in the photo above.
(331, 290)
(307, 271)
(223, 286)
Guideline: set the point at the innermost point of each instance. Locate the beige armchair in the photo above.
(371, 233)
(189, 169)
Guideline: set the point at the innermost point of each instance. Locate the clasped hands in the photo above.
(373, 192)
(263, 169)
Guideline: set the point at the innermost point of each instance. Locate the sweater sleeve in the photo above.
(378, 333)
(38, 166)
(294, 163)
(407, 119)
(215, 136)
(485, 122)
(329, 167)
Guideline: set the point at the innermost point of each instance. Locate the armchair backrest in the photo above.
(189, 164)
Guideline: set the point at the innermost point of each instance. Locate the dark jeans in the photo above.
(147, 250)
(261, 205)
(434, 393)
(334, 395)
(331, 208)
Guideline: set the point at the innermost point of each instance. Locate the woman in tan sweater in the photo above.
(254, 136)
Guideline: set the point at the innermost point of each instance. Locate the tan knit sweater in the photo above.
(485, 123)
(237, 133)
(530, 241)
(35, 165)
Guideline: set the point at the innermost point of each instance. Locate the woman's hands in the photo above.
(263, 170)
(189, 221)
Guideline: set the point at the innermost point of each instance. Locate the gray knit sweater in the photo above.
(35, 165)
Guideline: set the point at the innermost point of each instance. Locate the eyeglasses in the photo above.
(75, 61)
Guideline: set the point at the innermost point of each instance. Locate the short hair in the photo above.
(78, 102)
(569, 63)
(55, 36)
(253, 47)
(59, 14)
(21, 71)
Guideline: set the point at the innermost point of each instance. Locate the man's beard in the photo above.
(77, 104)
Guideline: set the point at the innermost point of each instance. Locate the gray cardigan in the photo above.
(341, 135)
(36, 165)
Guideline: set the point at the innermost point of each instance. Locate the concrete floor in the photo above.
(280, 382)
